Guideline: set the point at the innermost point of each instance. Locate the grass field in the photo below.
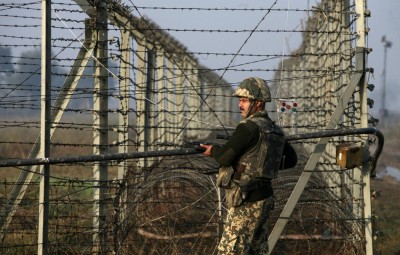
(386, 206)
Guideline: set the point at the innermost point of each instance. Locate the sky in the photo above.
(384, 21)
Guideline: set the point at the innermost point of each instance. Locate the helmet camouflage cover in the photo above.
(254, 88)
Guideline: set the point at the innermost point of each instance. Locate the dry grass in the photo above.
(386, 206)
(17, 143)
(386, 209)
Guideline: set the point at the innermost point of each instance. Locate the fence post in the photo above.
(171, 102)
(45, 118)
(180, 97)
(150, 109)
(100, 131)
(123, 124)
(161, 114)
(365, 174)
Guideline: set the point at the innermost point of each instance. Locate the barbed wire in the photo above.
(182, 185)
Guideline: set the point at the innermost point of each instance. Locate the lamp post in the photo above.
(384, 112)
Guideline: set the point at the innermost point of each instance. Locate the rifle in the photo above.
(289, 155)
(289, 158)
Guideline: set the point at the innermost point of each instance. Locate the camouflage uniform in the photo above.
(247, 166)
(245, 229)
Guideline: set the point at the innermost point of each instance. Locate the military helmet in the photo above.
(254, 88)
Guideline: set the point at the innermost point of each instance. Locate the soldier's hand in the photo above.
(207, 149)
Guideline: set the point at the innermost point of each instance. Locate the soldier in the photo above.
(248, 162)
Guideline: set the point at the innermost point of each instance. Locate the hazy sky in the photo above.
(384, 20)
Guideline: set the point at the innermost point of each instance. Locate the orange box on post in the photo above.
(349, 155)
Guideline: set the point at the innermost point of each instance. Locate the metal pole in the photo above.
(149, 124)
(384, 111)
(140, 94)
(171, 118)
(43, 242)
(98, 158)
(161, 123)
(192, 150)
(365, 207)
(124, 102)
(384, 85)
(145, 108)
(100, 133)
(123, 132)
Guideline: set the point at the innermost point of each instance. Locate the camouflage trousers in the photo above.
(245, 229)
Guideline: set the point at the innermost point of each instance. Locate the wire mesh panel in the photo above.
(310, 86)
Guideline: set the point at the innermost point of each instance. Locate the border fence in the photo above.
(123, 84)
